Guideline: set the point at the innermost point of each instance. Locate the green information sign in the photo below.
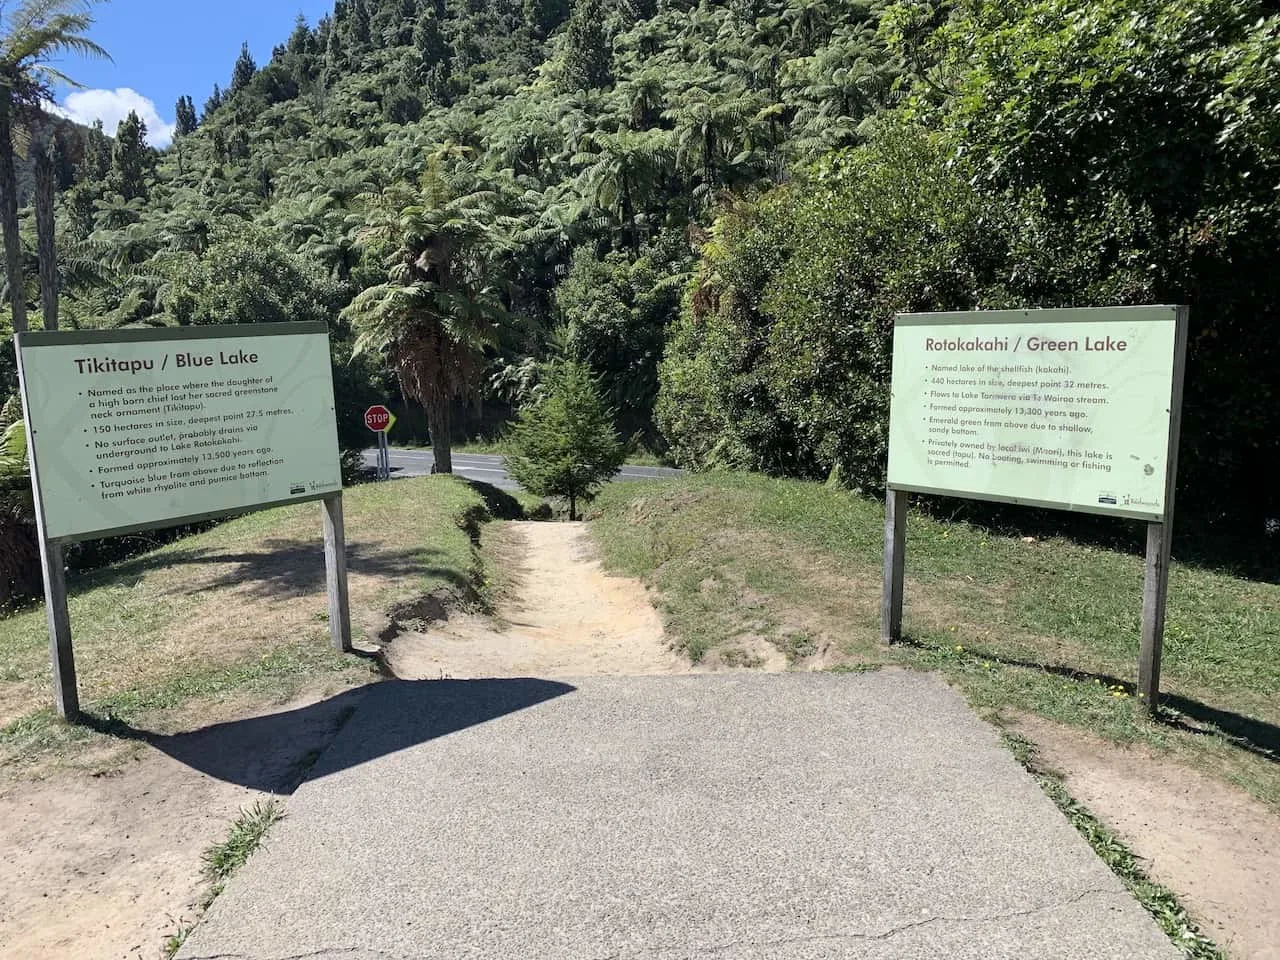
(134, 429)
(1071, 409)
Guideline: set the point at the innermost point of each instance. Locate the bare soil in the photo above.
(106, 865)
(560, 615)
(1211, 843)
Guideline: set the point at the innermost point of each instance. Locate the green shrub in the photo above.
(564, 444)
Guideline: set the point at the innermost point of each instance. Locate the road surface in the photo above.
(485, 467)
(728, 816)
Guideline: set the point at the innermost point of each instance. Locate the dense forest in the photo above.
(718, 207)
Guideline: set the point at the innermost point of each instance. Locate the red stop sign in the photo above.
(377, 418)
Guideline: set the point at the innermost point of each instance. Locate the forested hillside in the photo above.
(751, 190)
(548, 161)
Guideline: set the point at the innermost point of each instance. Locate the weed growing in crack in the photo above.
(173, 943)
(225, 858)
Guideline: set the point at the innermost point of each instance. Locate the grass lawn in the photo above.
(1049, 627)
(237, 611)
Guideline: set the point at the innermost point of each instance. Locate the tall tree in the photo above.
(586, 53)
(97, 154)
(46, 174)
(184, 125)
(544, 16)
(132, 160)
(214, 103)
(186, 121)
(619, 170)
(439, 308)
(34, 32)
(244, 70)
(359, 25)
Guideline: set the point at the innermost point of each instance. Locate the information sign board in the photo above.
(1073, 409)
(134, 429)
(1070, 409)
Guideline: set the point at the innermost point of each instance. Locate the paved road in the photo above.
(734, 817)
(476, 466)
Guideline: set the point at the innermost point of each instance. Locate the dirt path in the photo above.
(1213, 844)
(568, 618)
(104, 862)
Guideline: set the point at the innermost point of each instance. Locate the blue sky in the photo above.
(165, 48)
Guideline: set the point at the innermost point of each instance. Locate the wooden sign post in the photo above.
(1065, 409)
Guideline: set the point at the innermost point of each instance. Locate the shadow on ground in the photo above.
(284, 569)
(501, 505)
(1246, 733)
(276, 752)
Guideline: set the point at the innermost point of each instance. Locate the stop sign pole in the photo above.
(380, 420)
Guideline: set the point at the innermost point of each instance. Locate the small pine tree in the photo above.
(186, 122)
(565, 443)
(132, 160)
(214, 103)
(244, 72)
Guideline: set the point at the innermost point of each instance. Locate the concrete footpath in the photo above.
(739, 817)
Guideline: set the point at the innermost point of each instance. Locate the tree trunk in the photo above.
(46, 242)
(19, 559)
(439, 421)
(632, 238)
(9, 215)
(573, 505)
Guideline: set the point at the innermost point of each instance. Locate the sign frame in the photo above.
(52, 560)
(1159, 526)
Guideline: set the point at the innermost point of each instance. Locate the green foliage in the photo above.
(438, 308)
(244, 72)
(1157, 119)
(717, 405)
(215, 101)
(247, 277)
(1048, 154)
(32, 36)
(834, 162)
(35, 33)
(19, 559)
(586, 53)
(186, 121)
(132, 159)
(13, 442)
(616, 312)
(320, 146)
(564, 444)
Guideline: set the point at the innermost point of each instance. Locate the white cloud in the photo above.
(112, 106)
